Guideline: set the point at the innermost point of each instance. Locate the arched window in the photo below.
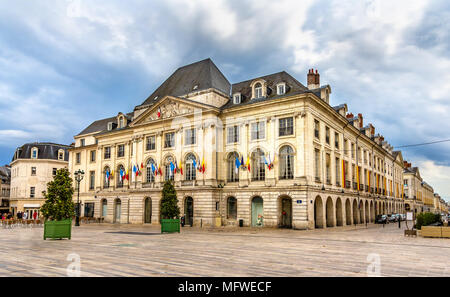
(232, 208)
(258, 90)
(150, 176)
(190, 168)
(258, 166)
(286, 162)
(168, 173)
(120, 177)
(106, 177)
(232, 170)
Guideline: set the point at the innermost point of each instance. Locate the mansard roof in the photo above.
(46, 150)
(194, 77)
(293, 86)
(102, 125)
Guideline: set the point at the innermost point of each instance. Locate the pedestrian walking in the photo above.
(25, 215)
(35, 215)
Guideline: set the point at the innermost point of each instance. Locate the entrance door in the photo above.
(286, 213)
(117, 211)
(148, 211)
(257, 212)
(189, 211)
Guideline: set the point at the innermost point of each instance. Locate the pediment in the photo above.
(169, 107)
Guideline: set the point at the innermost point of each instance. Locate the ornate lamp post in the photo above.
(78, 177)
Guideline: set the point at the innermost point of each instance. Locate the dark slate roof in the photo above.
(46, 150)
(203, 74)
(5, 174)
(102, 125)
(293, 86)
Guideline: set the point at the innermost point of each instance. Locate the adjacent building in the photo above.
(5, 182)
(269, 151)
(32, 167)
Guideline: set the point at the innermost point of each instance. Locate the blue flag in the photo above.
(238, 163)
(194, 163)
(172, 167)
(153, 167)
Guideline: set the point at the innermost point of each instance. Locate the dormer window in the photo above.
(61, 155)
(281, 89)
(34, 153)
(110, 126)
(121, 122)
(237, 98)
(258, 90)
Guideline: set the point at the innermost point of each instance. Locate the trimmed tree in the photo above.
(59, 205)
(169, 202)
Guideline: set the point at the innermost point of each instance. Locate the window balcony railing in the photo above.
(355, 186)
(367, 188)
(317, 179)
(328, 181)
(347, 184)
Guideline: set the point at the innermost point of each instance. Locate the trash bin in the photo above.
(241, 223)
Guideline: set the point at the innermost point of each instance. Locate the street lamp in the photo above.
(78, 177)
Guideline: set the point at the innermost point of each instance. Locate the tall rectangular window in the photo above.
(316, 129)
(317, 165)
(120, 150)
(151, 143)
(78, 160)
(82, 142)
(91, 180)
(190, 136)
(327, 135)
(286, 126)
(258, 130)
(328, 168)
(107, 152)
(169, 140)
(32, 192)
(233, 134)
(336, 141)
(93, 155)
(54, 171)
(33, 170)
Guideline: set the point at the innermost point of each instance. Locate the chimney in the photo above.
(372, 130)
(349, 115)
(360, 117)
(313, 79)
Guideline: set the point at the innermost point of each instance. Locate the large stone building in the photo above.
(32, 167)
(5, 182)
(274, 153)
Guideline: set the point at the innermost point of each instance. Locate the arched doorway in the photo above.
(355, 212)
(117, 210)
(318, 212)
(339, 219)
(348, 212)
(361, 212)
(257, 212)
(372, 212)
(148, 210)
(104, 208)
(286, 212)
(330, 212)
(189, 211)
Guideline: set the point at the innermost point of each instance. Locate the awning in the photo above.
(32, 205)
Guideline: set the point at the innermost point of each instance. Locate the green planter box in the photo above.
(170, 225)
(58, 229)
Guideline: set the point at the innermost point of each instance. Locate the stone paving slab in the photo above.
(140, 250)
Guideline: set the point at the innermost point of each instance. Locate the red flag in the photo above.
(142, 165)
(159, 112)
(159, 170)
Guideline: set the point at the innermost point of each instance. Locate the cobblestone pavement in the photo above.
(137, 250)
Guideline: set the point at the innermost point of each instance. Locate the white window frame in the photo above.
(283, 85)
(190, 136)
(234, 136)
(237, 98)
(258, 130)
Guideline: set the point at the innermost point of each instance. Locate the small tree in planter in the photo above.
(58, 208)
(170, 212)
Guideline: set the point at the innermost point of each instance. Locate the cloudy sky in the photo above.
(64, 64)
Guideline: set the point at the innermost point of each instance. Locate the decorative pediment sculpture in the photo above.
(170, 109)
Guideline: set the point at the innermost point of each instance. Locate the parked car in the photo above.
(381, 219)
(392, 218)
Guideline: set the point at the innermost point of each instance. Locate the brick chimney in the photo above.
(360, 117)
(406, 164)
(350, 116)
(313, 79)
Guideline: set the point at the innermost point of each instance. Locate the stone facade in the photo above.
(33, 166)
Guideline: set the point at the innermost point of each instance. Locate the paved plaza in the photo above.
(136, 250)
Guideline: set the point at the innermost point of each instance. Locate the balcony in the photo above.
(338, 184)
(328, 181)
(317, 179)
(355, 186)
(347, 184)
(367, 188)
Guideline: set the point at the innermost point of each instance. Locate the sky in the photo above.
(67, 63)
